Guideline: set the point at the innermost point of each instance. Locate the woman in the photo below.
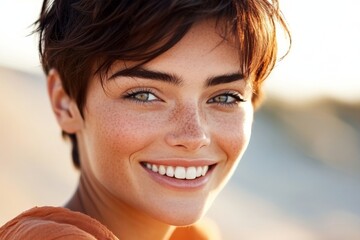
(157, 98)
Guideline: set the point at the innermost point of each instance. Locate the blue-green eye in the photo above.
(141, 95)
(227, 98)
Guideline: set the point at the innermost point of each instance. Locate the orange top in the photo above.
(50, 223)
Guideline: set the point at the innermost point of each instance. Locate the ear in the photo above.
(66, 110)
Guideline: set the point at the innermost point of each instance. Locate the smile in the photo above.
(178, 172)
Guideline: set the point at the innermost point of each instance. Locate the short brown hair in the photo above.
(77, 35)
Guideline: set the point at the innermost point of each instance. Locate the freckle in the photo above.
(184, 116)
(175, 113)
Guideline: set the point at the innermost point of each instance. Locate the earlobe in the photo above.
(66, 110)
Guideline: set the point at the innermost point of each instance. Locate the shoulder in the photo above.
(50, 223)
(205, 229)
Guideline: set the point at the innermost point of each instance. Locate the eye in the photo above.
(227, 98)
(143, 95)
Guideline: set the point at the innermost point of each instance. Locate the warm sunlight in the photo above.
(298, 179)
(324, 57)
(323, 60)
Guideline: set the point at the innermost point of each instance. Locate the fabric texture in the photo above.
(57, 223)
(50, 223)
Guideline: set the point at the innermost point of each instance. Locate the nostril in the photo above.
(188, 141)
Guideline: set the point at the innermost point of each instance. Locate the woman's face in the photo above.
(163, 140)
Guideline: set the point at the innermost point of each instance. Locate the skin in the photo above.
(135, 119)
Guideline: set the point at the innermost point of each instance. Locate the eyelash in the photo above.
(237, 99)
(131, 95)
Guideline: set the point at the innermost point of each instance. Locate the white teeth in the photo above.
(178, 171)
(191, 173)
(204, 170)
(162, 170)
(198, 171)
(170, 171)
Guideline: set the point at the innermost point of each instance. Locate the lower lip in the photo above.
(178, 184)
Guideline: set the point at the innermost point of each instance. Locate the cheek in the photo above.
(233, 133)
(113, 138)
(124, 132)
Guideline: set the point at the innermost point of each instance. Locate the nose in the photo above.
(188, 129)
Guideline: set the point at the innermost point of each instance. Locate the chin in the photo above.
(182, 219)
(181, 213)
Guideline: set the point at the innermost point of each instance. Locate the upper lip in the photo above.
(181, 162)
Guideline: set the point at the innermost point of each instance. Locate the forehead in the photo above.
(203, 49)
(202, 54)
(204, 43)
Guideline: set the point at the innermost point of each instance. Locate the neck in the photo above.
(124, 221)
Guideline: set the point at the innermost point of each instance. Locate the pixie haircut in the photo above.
(82, 38)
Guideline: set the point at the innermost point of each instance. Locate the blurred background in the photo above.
(300, 177)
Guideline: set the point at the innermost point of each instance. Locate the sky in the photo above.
(323, 62)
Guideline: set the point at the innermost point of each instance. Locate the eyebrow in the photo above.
(174, 79)
(226, 78)
(148, 74)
